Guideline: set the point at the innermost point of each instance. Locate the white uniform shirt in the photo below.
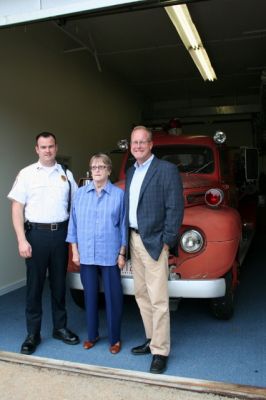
(44, 192)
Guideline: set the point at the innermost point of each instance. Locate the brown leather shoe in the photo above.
(115, 348)
(88, 344)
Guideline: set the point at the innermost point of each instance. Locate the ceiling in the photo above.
(143, 48)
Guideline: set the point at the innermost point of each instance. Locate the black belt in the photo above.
(55, 226)
(135, 230)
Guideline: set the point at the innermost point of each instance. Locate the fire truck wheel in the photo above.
(223, 307)
(78, 297)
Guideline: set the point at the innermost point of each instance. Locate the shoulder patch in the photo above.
(16, 181)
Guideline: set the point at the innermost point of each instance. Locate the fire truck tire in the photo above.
(78, 297)
(223, 307)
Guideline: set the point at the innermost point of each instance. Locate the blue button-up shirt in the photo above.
(97, 224)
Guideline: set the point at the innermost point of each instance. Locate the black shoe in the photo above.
(143, 349)
(66, 336)
(158, 364)
(30, 344)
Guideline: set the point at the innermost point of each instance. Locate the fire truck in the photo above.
(220, 195)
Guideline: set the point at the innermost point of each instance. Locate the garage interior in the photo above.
(90, 77)
(143, 48)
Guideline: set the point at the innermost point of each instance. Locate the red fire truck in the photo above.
(220, 193)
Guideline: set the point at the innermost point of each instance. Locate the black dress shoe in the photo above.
(30, 344)
(143, 349)
(66, 336)
(158, 364)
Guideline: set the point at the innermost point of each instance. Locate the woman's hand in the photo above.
(121, 261)
(76, 259)
(75, 254)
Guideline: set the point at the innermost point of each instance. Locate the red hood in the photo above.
(195, 181)
(189, 181)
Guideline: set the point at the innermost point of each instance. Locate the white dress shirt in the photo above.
(134, 190)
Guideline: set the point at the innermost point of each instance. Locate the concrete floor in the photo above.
(30, 377)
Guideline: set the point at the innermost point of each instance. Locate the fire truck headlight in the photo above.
(191, 241)
(122, 144)
(219, 137)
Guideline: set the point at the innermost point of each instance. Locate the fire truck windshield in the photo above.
(188, 158)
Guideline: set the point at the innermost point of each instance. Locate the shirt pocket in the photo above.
(60, 188)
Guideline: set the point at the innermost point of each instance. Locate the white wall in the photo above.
(44, 89)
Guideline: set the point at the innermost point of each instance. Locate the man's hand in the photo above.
(166, 247)
(25, 249)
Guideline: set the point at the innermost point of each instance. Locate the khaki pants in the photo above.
(151, 292)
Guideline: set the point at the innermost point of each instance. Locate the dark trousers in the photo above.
(113, 299)
(49, 252)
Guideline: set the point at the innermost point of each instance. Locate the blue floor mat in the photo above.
(202, 347)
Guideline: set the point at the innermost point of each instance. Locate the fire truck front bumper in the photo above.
(190, 288)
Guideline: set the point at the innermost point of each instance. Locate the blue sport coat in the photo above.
(160, 207)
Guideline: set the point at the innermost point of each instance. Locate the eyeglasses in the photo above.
(99, 167)
(139, 142)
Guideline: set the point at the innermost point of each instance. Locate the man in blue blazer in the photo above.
(154, 203)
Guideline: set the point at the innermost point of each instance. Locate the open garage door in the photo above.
(138, 42)
(21, 11)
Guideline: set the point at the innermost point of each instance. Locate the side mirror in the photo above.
(251, 159)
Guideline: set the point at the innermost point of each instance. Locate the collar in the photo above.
(106, 188)
(56, 166)
(145, 164)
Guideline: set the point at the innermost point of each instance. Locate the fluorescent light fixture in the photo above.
(187, 31)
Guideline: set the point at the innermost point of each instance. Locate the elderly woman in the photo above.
(97, 234)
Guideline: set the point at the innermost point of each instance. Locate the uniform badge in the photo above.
(63, 178)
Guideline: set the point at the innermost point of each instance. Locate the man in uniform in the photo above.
(155, 206)
(41, 198)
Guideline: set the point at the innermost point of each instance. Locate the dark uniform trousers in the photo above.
(49, 252)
